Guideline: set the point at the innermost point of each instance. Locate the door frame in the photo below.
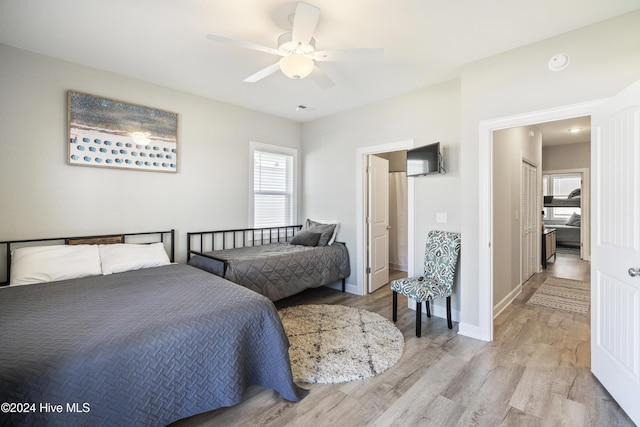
(484, 330)
(361, 200)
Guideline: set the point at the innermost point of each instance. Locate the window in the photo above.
(560, 186)
(274, 185)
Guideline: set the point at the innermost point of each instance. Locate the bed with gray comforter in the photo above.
(145, 347)
(278, 270)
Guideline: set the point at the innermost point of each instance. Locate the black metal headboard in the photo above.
(199, 242)
(144, 237)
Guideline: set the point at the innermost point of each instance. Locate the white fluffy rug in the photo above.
(334, 344)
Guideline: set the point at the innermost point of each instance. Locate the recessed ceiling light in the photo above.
(559, 62)
(575, 130)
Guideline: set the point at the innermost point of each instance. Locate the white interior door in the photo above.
(615, 282)
(378, 222)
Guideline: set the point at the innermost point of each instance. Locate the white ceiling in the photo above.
(163, 42)
(557, 133)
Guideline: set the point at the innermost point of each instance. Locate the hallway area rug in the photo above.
(333, 344)
(568, 295)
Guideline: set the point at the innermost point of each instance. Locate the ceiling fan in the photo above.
(297, 49)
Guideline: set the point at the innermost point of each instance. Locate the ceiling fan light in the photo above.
(296, 66)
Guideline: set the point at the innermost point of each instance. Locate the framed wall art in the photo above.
(115, 134)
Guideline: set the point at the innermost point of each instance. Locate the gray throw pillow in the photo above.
(305, 238)
(575, 220)
(326, 231)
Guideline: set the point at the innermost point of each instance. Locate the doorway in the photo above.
(484, 330)
(569, 216)
(387, 218)
(521, 179)
(361, 209)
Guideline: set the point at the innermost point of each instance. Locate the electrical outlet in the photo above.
(441, 217)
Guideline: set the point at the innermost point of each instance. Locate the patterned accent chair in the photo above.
(440, 262)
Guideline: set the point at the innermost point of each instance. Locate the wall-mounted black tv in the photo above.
(424, 160)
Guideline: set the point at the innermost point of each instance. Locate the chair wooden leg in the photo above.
(449, 323)
(395, 306)
(428, 304)
(418, 319)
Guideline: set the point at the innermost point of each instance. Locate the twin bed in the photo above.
(265, 260)
(147, 342)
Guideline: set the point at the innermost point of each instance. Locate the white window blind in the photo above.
(273, 189)
(560, 186)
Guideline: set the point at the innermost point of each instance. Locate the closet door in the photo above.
(528, 221)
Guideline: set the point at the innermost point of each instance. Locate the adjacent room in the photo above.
(319, 212)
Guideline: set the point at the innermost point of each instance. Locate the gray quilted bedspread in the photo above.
(147, 347)
(279, 270)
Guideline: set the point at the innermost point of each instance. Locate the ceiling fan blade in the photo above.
(248, 45)
(305, 21)
(349, 55)
(263, 73)
(321, 79)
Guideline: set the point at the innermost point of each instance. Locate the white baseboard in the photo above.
(400, 267)
(473, 331)
(466, 329)
(504, 303)
(438, 309)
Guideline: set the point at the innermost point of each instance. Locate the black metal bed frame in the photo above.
(208, 241)
(161, 238)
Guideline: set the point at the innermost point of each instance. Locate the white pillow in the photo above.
(41, 264)
(335, 230)
(121, 257)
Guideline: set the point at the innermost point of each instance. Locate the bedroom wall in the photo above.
(605, 58)
(330, 160)
(510, 147)
(43, 196)
(569, 156)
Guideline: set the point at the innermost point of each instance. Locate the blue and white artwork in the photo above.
(108, 133)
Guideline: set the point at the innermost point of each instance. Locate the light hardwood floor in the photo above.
(535, 373)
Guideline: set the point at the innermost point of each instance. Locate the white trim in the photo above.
(437, 310)
(504, 303)
(399, 267)
(259, 146)
(471, 331)
(360, 209)
(484, 330)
